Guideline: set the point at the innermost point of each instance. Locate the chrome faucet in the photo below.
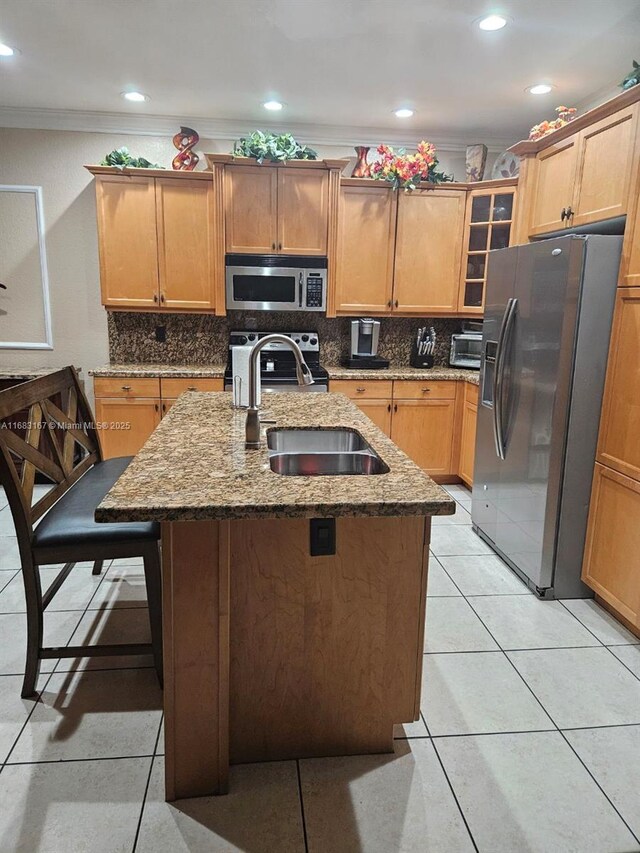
(252, 429)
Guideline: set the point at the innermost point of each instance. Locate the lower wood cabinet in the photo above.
(379, 411)
(128, 409)
(610, 565)
(425, 430)
(468, 434)
(126, 423)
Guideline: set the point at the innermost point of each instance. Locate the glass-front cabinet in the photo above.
(488, 226)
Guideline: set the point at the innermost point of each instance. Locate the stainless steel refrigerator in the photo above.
(546, 333)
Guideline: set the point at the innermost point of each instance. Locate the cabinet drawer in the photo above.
(471, 393)
(175, 387)
(420, 389)
(126, 386)
(370, 389)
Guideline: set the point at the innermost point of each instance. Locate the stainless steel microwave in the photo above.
(276, 283)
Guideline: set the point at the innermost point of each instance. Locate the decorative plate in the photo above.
(507, 165)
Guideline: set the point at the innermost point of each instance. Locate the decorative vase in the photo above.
(362, 169)
(185, 141)
(476, 160)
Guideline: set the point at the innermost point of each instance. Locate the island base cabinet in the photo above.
(271, 653)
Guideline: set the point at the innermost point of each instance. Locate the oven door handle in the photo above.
(300, 277)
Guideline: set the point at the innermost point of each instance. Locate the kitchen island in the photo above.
(272, 653)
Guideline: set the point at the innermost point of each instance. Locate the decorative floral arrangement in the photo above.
(565, 115)
(406, 171)
(121, 159)
(269, 146)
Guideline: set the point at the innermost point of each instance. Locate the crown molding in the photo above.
(228, 129)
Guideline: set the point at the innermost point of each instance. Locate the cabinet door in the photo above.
(380, 413)
(251, 207)
(428, 251)
(630, 267)
(424, 429)
(604, 171)
(610, 564)
(126, 208)
(303, 211)
(554, 184)
(126, 424)
(619, 439)
(185, 243)
(366, 245)
(468, 442)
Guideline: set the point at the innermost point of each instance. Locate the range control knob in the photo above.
(252, 337)
(314, 341)
(305, 338)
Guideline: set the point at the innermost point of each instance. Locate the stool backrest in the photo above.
(46, 425)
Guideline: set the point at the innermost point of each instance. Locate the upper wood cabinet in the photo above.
(127, 240)
(366, 246)
(554, 182)
(488, 221)
(428, 251)
(276, 210)
(630, 266)
(618, 441)
(583, 172)
(156, 242)
(185, 220)
(251, 209)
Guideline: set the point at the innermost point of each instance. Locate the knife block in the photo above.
(423, 361)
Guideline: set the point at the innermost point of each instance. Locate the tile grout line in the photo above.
(610, 650)
(146, 787)
(579, 621)
(301, 800)
(451, 788)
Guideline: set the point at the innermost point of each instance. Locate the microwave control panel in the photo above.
(314, 290)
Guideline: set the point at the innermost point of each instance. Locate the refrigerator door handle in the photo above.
(498, 376)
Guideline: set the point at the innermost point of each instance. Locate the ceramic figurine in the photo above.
(185, 141)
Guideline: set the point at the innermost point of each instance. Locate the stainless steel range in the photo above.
(277, 362)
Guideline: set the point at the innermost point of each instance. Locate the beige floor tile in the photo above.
(607, 629)
(7, 527)
(111, 625)
(93, 715)
(485, 575)
(382, 803)
(630, 657)
(14, 711)
(9, 555)
(72, 807)
(457, 540)
(461, 516)
(613, 757)
(438, 581)
(477, 693)
(58, 628)
(528, 793)
(123, 586)
(526, 622)
(452, 626)
(261, 814)
(409, 730)
(74, 594)
(581, 687)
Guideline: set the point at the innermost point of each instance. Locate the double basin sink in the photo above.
(316, 452)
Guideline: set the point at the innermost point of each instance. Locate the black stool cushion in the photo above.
(70, 520)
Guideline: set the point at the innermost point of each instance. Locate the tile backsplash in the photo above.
(203, 339)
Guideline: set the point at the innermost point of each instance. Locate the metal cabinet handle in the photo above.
(164, 408)
(563, 215)
(389, 407)
(570, 212)
(389, 304)
(162, 297)
(126, 387)
(396, 303)
(192, 388)
(156, 407)
(273, 246)
(395, 407)
(155, 297)
(426, 390)
(361, 390)
(279, 246)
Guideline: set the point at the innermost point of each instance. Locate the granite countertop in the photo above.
(195, 466)
(435, 374)
(166, 371)
(191, 371)
(26, 373)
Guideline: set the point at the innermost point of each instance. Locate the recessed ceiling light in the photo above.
(137, 97)
(492, 22)
(540, 89)
(403, 113)
(274, 106)
(5, 50)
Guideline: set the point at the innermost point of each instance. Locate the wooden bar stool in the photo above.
(58, 438)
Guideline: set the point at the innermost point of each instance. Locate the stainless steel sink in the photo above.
(327, 464)
(317, 452)
(337, 440)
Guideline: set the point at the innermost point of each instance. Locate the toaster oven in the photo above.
(466, 348)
